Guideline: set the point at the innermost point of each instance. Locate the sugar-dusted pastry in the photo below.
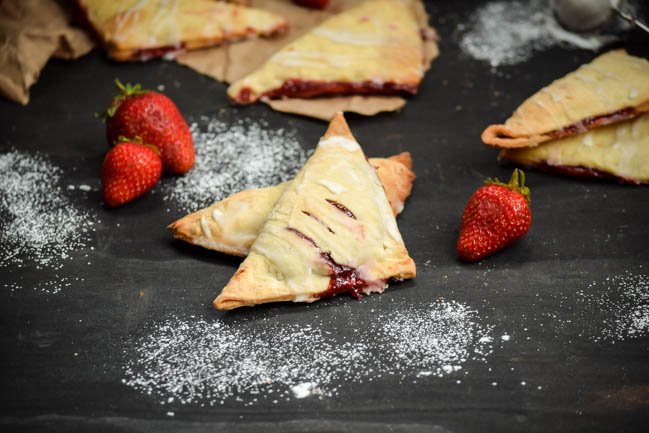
(231, 225)
(375, 47)
(331, 231)
(143, 29)
(619, 151)
(612, 88)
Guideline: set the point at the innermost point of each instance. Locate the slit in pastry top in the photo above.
(231, 225)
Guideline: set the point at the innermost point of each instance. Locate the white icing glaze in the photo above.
(348, 38)
(332, 186)
(122, 19)
(633, 93)
(217, 214)
(587, 140)
(205, 226)
(304, 298)
(343, 142)
(585, 78)
(556, 97)
(554, 156)
(211, 244)
(310, 59)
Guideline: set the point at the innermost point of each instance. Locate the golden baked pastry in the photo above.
(143, 29)
(231, 226)
(375, 47)
(612, 88)
(619, 151)
(331, 231)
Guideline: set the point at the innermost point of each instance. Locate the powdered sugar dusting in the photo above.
(623, 300)
(39, 224)
(509, 32)
(233, 157)
(50, 286)
(611, 310)
(203, 362)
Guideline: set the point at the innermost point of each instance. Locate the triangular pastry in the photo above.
(231, 225)
(619, 151)
(612, 88)
(331, 231)
(375, 47)
(143, 29)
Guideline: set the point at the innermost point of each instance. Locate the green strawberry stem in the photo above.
(516, 183)
(126, 91)
(129, 89)
(137, 139)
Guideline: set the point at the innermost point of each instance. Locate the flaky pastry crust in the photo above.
(612, 88)
(375, 47)
(619, 151)
(231, 225)
(332, 230)
(143, 29)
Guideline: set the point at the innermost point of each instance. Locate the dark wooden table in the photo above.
(582, 233)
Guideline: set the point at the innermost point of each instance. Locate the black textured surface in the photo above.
(582, 232)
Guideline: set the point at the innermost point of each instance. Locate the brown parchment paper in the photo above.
(232, 61)
(32, 31)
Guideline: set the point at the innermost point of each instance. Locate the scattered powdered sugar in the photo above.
(509, 32)
(203, 362)
(39, 224)
(611, 310)
(304, 390)
(623, 302)
(438, 338)
(50, 286)
(230, 158)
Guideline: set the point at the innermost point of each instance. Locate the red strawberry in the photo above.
(496, 215)
(156, 119)
(313, 4)
(129, 170)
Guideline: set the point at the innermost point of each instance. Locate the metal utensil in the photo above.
(589, 15)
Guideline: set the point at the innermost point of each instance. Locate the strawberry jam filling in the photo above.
(144, 54)
(582, 172)
(303, 236)
(342, 278)
(594, 121)
(297, 88)
(341, 207)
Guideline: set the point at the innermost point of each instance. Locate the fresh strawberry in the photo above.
(156, 119)
(313, 4)
(130, 169)
(496, 215)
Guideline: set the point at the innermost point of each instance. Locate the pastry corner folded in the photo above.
(338, 127)
(190, 229)
(500, 136)
(612, 88)
(245, 289)
(404, 158)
